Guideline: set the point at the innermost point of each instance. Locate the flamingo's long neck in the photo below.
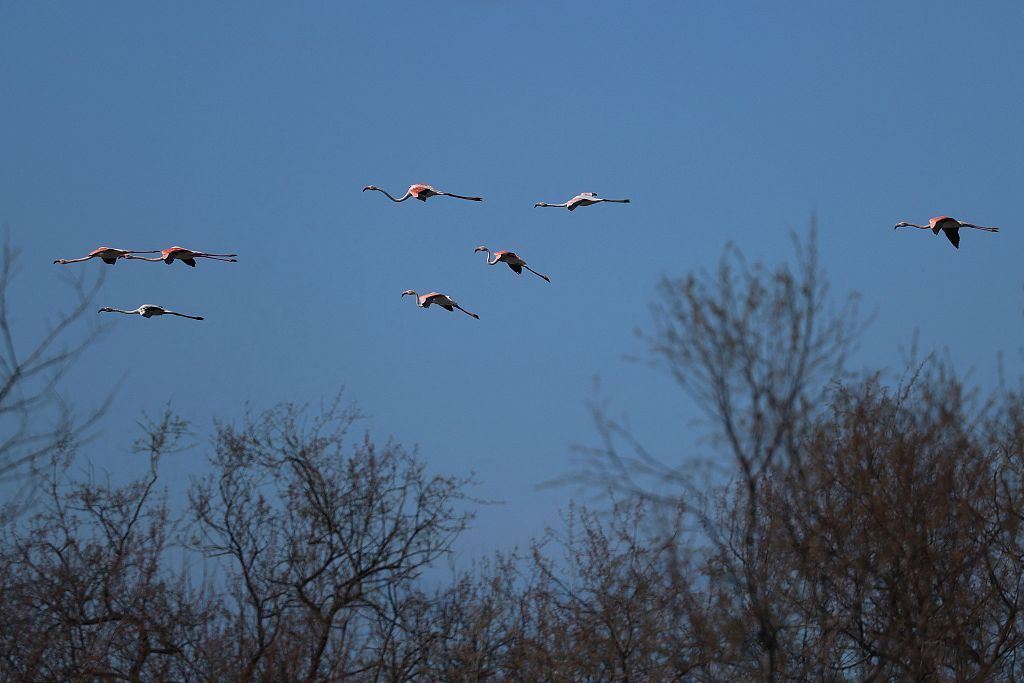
(407, 195)
(487, 257)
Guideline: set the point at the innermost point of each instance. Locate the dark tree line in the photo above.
(861, 530)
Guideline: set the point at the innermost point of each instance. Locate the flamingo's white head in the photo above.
(409, 291)
(370, 187)
(481, 248)
(901, 224)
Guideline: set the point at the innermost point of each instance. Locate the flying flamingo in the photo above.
(148, 311)
(949, 226)
(108, 255)
(186, 256)
(442, 300)
(422, 193)
(582, 199)
(512, 259)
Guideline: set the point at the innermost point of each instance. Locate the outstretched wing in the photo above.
(954, 236)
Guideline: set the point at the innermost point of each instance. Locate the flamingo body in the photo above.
(582, 199)
(108, 255)
(442, 300)
(949, 226)
(149, 311)
(511, 259)
(186, 256)
(422, 192)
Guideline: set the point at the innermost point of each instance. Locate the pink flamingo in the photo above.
(582, 199)
(442, 300)
(949, 226)
(186, 256)
(422, 193)
(512, 259)
(108, 255)
(148, 311)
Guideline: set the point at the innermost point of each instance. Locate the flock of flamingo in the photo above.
(950, 227)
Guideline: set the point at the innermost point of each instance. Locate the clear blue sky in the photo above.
(252, 128)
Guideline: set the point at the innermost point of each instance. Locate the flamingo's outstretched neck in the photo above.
(154, 259)
(386, 193)
(904, 224)
(107, 309)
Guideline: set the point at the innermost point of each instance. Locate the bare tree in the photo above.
(864, 533)
(315, 537)
(87, 591)
(35, 420)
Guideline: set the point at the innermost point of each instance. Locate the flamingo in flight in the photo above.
(582, 199)
(148, 311)
(108, 255)
(186, 256)
(442, 300)
(421, 192)
(949, 226)
(512, 259)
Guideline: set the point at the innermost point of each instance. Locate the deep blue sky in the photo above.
(251, 128)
